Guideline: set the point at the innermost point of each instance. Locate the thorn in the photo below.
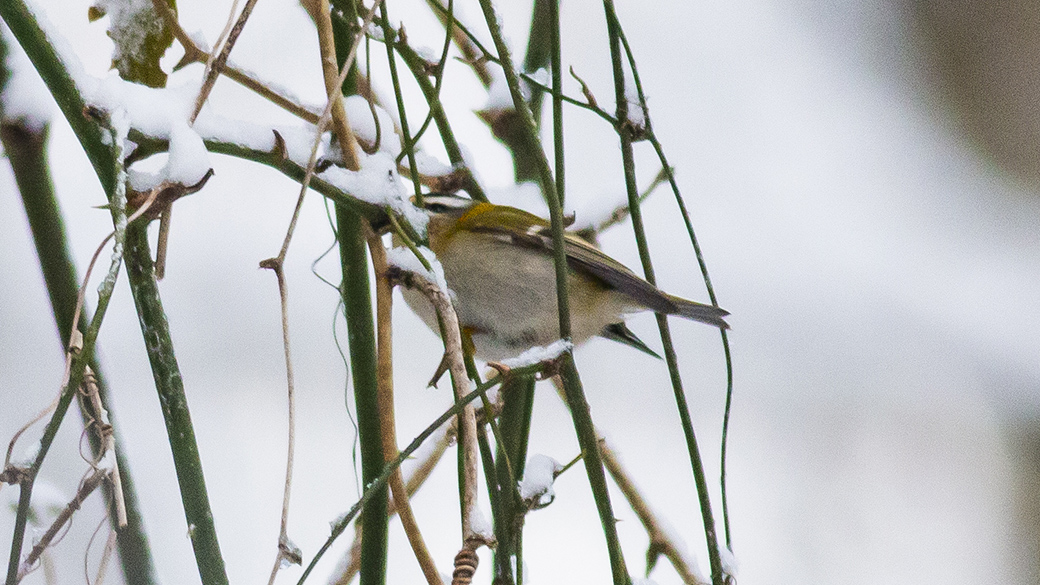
(502, 369)
(441, 368)
(189, 189)
(186, 60)
(279, 147)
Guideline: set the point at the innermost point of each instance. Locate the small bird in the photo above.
(499, 266)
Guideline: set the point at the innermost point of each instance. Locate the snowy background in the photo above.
(883, 275)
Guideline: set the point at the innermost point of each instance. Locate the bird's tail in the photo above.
(700, 312)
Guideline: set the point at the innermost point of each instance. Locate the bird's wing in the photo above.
(586, 259)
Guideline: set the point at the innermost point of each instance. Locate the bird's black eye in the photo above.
(437, 207)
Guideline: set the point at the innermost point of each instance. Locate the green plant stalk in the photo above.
(625, 136)
(507, 126)
(47, 63)
(153, 323)
(406, 138)
(446, 16)
(342, 32)
(438, 74)
(27, 153)
(487, 460)
(170, 386)
(379, 483)
(515, 423)
(72, 383)
(357, 305)
(540, 46)
(557, 93)
(451, 146)
(702, 264)
(355, 292)
(573, 391)
(725, 335)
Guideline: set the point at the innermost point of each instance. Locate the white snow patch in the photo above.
(636, 115)
(479, 524)
(364, 126)
(539, 354)
(66, 53)
(28, 456)
(160, 113)
(404, 259)
(499, 98)
(541, 76)
(25, 98)
(537, 485)
(730, 564)
(189, 159)
(150, 110)
(335, 522)
(430, 166)
(428, 54)
(379, 184)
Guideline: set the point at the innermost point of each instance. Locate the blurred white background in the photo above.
(876, 243)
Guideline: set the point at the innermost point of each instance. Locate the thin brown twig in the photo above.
(334, 80)
(661, 542)
(214, 67)
(452, 339)
(215, 63)
(194, 54)
(387, 423)
(76, 337)
(223, 36)
(85, 489)
(286, 550)
(27, 426)
(107, 441)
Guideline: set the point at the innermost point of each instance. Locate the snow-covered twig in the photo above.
(472, 533)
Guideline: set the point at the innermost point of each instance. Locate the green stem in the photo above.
(573, 390)
(104, 158)
(168, 382)
(518, 394)
(438, 74)
(702, 264)
(557, 81)
(357, 304)
(379, 484)
(544, 20)
(625, 135)
(47, 63)
(26, 150)
(361, 340)
(416, 65)
(406, 138)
